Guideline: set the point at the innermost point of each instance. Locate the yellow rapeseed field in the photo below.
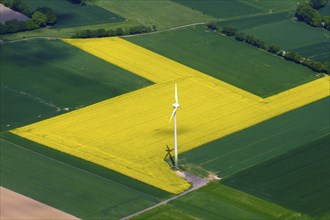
(129, 133)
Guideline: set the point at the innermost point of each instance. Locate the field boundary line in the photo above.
(77, 168)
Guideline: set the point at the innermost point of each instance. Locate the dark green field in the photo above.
(298, 180)
(41, 78)
(259, 143)
(274, 5)
(278, 169)
(70, 184)
(70, 15)
(225, 9)
(254, 21)
(227, 59)
(217, 201)
(220, 9)
(281, 29)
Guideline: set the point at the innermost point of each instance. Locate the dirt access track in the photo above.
(16, 206)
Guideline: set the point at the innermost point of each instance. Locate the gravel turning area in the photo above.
(17, 206)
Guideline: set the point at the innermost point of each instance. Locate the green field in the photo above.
(217, 201)
(259, 143)
(164, 14)
(71, 184)
(220, 8)
(225, 9)
(255, 21)
(274, 5)
(70, 15)
(224, 58)
(278, 169)
(317, 38)
(281, 29)
(298, 180)
(41, 78)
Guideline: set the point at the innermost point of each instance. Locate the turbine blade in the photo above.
(176, 94)
(174, 111)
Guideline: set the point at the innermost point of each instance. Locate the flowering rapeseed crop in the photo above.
(129, 133)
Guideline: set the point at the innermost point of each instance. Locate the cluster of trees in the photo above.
(79, 2)
(41, 17)
(15, 25)
(118, 32)
(291, 56)
(313, 65)
(308, 12)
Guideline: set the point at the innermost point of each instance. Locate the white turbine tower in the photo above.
(175, 106)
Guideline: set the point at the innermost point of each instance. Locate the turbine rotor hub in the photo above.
(176, 105)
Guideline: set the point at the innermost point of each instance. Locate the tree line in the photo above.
(117, 32)
(39, 18)
(308, 13)
(290, 56)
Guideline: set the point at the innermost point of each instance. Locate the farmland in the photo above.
(239, 8)
(217, 201)
(254, 145)
(258, 72)
(109, 136)
(28, 172)
(67, 80)
(268, 20)
(221, 9)
(163, 13)
(255, 21)
(69, 15)
(298, 179)
(270, 28)
(317, 39)
(301, 176)
(85, 122)
(274, 6)
(13, 204)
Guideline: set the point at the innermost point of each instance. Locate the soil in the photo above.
(16, 206)
(7, 14)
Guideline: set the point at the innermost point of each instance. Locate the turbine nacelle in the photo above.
(176, 105)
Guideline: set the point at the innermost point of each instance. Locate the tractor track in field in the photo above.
(197, 182)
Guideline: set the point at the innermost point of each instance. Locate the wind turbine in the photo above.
(175, 106)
